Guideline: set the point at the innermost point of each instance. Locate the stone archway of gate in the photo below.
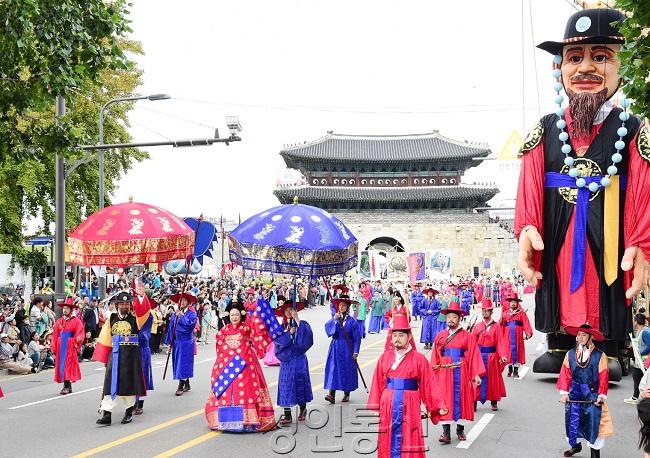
(384, 242)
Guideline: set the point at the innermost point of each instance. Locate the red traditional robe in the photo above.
(517, 353)
(250, 341)
(583, 305)
(408, 439)
(463, 344)
(493, 342)
(66, 348)
(389, 316)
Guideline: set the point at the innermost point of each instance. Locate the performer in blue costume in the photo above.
(416, 302)
(341, 367)
(429, 310)
(180, 335)
(583, 384)
(144, 336)
(294, 384)
(466, 299)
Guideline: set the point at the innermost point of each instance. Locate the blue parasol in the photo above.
(294, 239)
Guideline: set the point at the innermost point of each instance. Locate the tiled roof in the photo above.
(326, 196)
(388, 148)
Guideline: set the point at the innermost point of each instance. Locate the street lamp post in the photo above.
(100, 156)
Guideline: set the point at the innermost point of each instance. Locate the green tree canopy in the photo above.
(77, 50)
(635, 55)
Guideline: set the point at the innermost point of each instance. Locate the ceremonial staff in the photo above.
(188, 264)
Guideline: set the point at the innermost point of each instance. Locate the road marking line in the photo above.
(204, 437)
(188, 444)
(174, 421)
(476, 430)
(55, 398)
(523, 370)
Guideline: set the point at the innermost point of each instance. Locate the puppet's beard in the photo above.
(584, 106)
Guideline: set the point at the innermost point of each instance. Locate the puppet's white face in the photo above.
(591, 68)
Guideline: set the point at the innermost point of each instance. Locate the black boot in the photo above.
(445, 438)
(573, 450)
(516, 372)
(595, 453)
(180, 390)
(128, 415)
(105, 420)
(287, 418)
(494, 406)
(510, 370)
(187, 385)
(139, 407)
(460, 432)
(475, 406)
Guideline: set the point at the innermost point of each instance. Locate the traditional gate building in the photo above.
(402, 194)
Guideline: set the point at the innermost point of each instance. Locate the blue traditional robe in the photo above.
(144, 335)
(467, 296)
(429, 320)
(340, 368)
(183, 345)
(416, 302)
(294, 384)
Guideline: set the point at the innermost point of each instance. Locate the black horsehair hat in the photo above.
(592, 26)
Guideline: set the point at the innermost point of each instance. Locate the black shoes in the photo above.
(574, 450)
(128, 416)
(186, 387)
(105, 420)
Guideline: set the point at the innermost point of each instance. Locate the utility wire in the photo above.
(177, 117)
(150, 129)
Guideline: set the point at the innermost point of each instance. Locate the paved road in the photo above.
(39, 422)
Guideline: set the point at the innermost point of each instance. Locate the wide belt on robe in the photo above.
(610, 216)
(455, 354)
(119, 341)
(61, 357)
(516, 322)
(404, 384)
(492, 349)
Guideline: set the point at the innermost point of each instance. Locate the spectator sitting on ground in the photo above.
(7, 352)
(88, 348)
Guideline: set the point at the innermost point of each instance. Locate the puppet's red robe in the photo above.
(67, 339)
(583, 305)
(400, 429)
(459, 402)
(493, 344)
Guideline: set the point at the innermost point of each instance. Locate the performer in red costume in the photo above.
(518, 328)
(398, 308)
(402, 381)
(583, 207)
(67, 339)
(251, 300)
(458, 368)
(493, 345)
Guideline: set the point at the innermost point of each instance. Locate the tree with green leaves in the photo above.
(635, 54)
(77, 50)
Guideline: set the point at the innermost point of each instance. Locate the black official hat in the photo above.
(122, 296)
(593, 26)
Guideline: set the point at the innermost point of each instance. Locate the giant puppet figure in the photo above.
(583, 206)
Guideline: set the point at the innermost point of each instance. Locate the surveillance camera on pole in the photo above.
(233, 125)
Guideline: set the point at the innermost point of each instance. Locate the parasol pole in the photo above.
(347, 340)
(188, 264)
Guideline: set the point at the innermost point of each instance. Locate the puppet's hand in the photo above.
(634, 258)
(529, 242)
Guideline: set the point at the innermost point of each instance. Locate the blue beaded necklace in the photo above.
(619, 145)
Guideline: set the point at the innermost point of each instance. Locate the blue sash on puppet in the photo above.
(398, 385)
(485, 353)
(65, 336)
(230, 417)
(513, 338)
(267, 315)
(117, 340)
(561, 180)
(582, 420)
(456, 354)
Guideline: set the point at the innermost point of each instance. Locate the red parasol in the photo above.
(130, 233)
